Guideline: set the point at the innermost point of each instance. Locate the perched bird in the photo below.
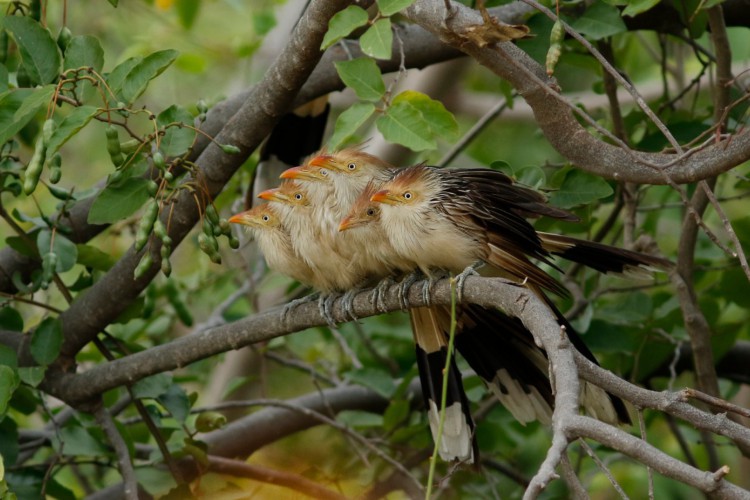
(274, 241)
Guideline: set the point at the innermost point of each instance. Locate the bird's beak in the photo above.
(301, 173)
(383, 196)
(270, 195)
(347, 223)
(239, 219)
(322, 161)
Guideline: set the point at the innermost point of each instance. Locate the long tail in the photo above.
(601, 257)
(430, 328)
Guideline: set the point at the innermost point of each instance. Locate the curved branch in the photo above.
(557, 121)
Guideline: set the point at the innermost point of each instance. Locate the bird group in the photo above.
(347, 219)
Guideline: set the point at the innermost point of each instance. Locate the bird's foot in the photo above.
(347, 303)
(379, 293)
(461, 278)
(403, 288)
(286, 311)
(325, 307)
(427, 290)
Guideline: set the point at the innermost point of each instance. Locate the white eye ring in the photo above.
(407, 195)
(297, 196)
(351, 166)
(266, 218)
(323, 172)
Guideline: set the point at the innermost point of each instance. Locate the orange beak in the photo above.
(291, 173)
(238, 218)
(268, 194)
(321, 161)
(381, 196)
(346, 223)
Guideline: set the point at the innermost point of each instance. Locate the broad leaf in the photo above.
(402, 123)
(69, 126)
(84, 51)
(8, 382)
(93, 258)
(363, 76)
(349, 121)
(46, 341)
(117, 201)
(187, 11)
(440, 120)
(137, 79)
(32, 375)
(10, 319)
(636, 7)
(176, 140)
(40, 97)
(116, 77)
(390, 7)
(153, 386)
(343, 23)
(580, 188)
(10, 102)
(76, 441)
(377, 41)
(176, 401)
(600, 21)
(66, 250)
(40, 54)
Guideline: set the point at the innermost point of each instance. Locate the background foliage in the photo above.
(98, 113)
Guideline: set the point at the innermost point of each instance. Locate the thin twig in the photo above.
(718, 403)
(107, 424)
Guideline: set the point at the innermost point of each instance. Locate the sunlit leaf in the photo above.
(377, 41)
(403, 124)
(343, 23)
(363, 76)
(349, 121)
(390, 7)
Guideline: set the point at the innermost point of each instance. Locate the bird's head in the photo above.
(363, 211)
(351, 162)
(260, 217)
(306, 172)
(289, 192)
(412, 186)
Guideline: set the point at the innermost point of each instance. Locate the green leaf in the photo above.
(343, 23)
(10, 102)
(349, 121)
(636, 7)
(264, 21)
(70, 126)
(8, 356)
(76, 441)
(396, 413)
(117, 201)
(32, 104)
(377, 41)
(10, 319)
(580, 188)
(137, 79)
(600, 21)
(3, 78)
(39, 51)
(390, 7)
(8, 383)
(176, 140)
(84, 51)
(116, 77)
(187, 11)
(376, 379)
(32, 375)
(46, 341)
(93, 258)
(363, 76)
(440, 120)
(403, 124)
(176, 401)
(360, 419)
(531, 176)
(66, 250)
(153, 386)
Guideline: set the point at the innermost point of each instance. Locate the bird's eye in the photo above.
(351, 166)
(298, 196)
(266, 218)
(370, 212)
(323, 172)
(407, 195)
